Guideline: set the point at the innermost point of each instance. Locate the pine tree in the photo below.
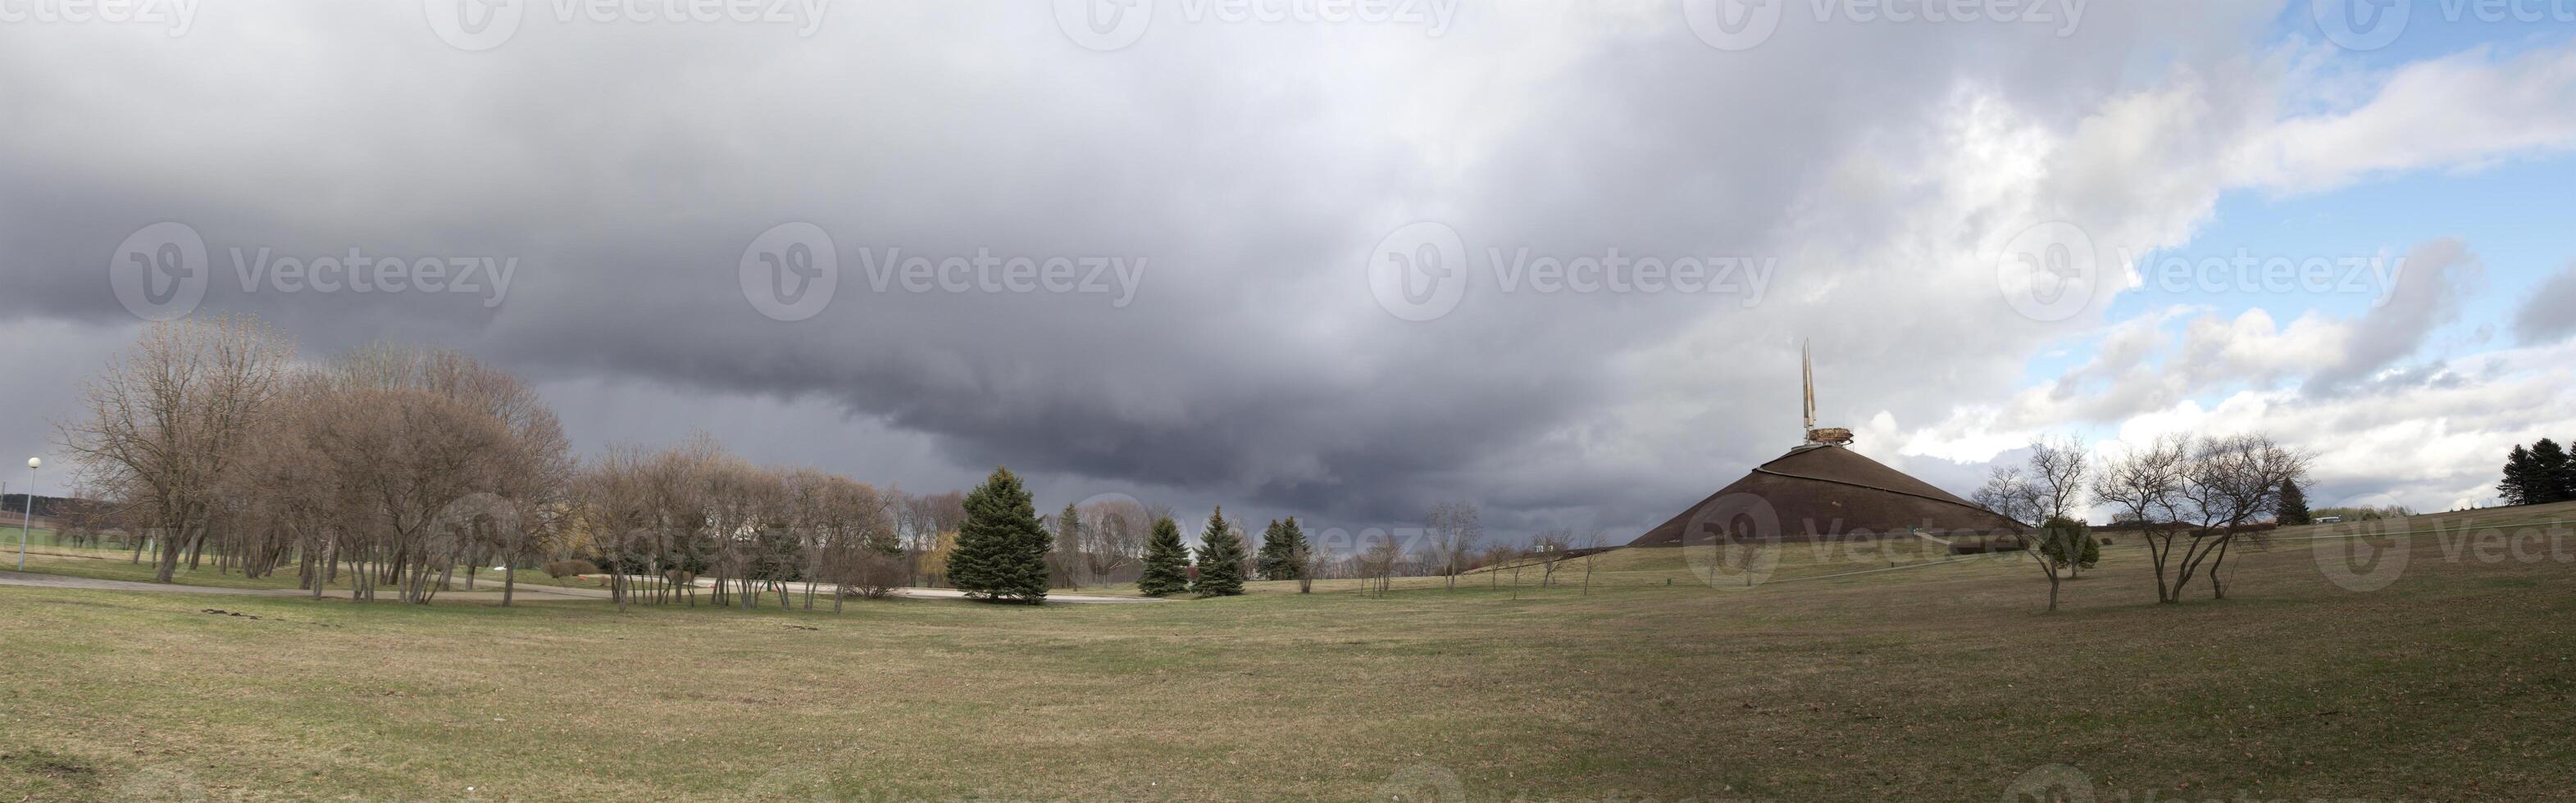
(1066, 558)
(1167, 562)
(2516, 487)
(2550, 473)
(1002, 547)
(2294, 504)
(1281, 549)
(1271, 561)
(1220, 558)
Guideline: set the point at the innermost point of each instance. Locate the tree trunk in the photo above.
(2218, 588)
(169, 567)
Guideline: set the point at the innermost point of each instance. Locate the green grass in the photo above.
(1940, 683)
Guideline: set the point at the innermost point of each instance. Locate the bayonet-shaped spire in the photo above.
(1807, 380)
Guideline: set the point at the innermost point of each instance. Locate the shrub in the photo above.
(567, 568)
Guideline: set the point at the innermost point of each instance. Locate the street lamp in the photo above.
(27, 516)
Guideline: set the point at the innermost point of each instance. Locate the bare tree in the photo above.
(2008, 494)
(1592, 543)
(165, 421)
(1453, 529)
(1113, 539)
(1377, 564)
(2227, 483)
(872, 563)
(1549, 549)
(2045, 501)
(1492, 559)
(1309, 562)
(2146, 485)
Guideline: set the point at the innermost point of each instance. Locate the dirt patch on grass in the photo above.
(42, 768)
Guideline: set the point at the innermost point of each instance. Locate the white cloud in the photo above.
(2460, 111)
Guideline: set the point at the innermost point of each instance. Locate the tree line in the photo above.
(394, 469)
(2191, 498)
(2538, 474)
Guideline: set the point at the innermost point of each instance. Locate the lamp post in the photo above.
(27, 516)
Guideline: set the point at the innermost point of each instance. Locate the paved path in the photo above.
(8, 578)
(951, 593)
(489, 590)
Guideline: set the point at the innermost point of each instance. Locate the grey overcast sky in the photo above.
(1342, 261)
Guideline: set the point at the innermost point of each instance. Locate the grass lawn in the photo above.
(1939, 683)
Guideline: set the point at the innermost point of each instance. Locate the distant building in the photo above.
(1824, 490)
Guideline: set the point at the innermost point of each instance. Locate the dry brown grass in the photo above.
(1942, 683)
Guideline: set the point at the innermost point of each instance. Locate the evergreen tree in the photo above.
(1271, 561)
(1167, 562)
(1220, 558)
(2070, 543)
(2550, 473)
(1002, 547)
(1065, 561)
(2516, 487)
(2294, 504)
(1281, 546)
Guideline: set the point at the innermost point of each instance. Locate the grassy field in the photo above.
(1944, 682)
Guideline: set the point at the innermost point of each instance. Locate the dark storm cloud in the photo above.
(1249, 169)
